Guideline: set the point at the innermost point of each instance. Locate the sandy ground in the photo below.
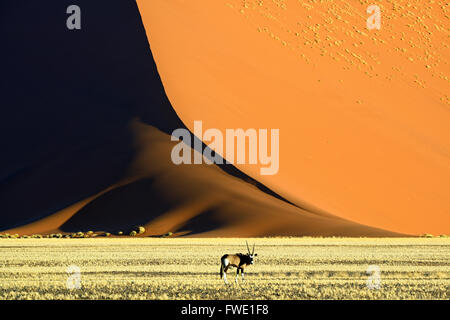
(285, 268)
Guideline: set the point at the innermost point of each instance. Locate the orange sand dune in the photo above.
(363, 118)
(90, 149)
(200, 200)
(363, 115)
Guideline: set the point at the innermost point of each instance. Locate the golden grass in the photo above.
(182, 268)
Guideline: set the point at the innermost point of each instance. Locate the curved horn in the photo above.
(248, 248)
(253, 249)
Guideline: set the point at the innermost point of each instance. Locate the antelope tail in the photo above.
(221, 270)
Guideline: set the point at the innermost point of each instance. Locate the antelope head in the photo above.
(251, 255)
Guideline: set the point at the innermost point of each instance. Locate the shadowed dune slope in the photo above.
(200, 200)
(85, 140)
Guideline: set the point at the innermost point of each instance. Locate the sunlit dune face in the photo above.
(363, 114)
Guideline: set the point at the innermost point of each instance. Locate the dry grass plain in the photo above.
(188, 268)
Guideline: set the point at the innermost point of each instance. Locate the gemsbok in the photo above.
(239, 261)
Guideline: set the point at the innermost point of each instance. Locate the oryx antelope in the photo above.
(239, 261)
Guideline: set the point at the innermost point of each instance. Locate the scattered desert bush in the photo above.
(140, 229)
(426, 235)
